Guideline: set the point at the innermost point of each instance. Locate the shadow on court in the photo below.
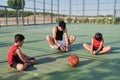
(84, 62)
(37, 49)
(81, 36)
(75, 47)
(14, 75)
(31, 68)
(50, 59)
(32, 41)
(3, 61)
(5, 32)
(5, 44)
(114, 42)
(100, 70)
(114, 50)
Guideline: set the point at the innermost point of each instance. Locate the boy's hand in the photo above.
(94, 52)
(62, 48)
(91, 51)
(66, 48)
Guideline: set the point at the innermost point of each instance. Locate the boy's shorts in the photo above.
(56, 47)
(18, 61)
(94, 48)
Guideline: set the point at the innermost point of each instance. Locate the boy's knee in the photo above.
(74, 37)
(84, 44)
(47, 37)
(20, 67)
(33, 61)
(110, 47)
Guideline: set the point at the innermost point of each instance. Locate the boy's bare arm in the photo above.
(21, 55)
(100, 47)
(66, 38)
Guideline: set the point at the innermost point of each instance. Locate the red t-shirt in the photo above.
(10, 53)
(96, 43)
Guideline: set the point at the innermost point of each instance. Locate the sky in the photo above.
(106, 6)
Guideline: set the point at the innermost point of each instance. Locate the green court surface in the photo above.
(52, 64)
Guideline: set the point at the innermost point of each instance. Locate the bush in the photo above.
(69, 20)
(101, 21)
(76, 20)
(59, 19)
(80, 20)
(110, 21)
(93, 20)
(117, 20)
(86, 20)
(2, 13)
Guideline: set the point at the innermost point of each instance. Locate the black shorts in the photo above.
(95, 48)
(18, 61)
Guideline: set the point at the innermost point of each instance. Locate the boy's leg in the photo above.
(32, 60)
(71, 39)
(22, 67)
(87, 46)
(105, 49)
(50, 40)
(63, 49)
(19, 66)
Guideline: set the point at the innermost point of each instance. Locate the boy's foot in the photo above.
(91, 52)
(97, 53)
(61, 50)
(66, 50)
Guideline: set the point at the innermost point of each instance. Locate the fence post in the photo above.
(58, 9)
(114, 12)
(97, 19)
(83, 11)
(6, 17)
(23, 13)
(44, 11)
(70, 9)
(34, 12)
(17, 17)
(27, 21)
(51, 11)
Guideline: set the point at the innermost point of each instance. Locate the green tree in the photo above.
(59, 19)
(16, 4)
(76, 20)
(69, 20)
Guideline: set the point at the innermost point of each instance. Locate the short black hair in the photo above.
(62, 24)
(19, 37)
(98, 36)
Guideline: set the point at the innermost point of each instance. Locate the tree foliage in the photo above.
(16, 4)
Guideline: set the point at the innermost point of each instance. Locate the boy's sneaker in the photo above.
(97, 53)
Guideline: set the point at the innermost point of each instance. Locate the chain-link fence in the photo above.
(71, 11)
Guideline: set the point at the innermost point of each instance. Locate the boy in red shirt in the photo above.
(16, 58)
(96, 46)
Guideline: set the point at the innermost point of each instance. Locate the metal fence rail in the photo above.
(72, 11)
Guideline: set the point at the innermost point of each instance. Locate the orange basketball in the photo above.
(73, 60)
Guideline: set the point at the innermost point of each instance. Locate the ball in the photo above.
(73, 60)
